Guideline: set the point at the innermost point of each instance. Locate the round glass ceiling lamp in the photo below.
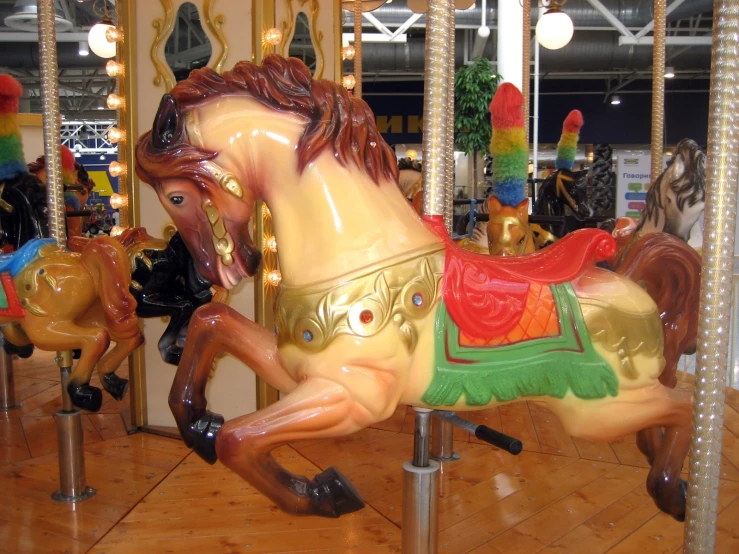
(98, 40)
(554, 29)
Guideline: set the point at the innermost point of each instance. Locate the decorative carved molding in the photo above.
(164, 29)
(316, 36)
(214, 23)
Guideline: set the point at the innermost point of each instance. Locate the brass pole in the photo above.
(525, 84)
(716, 281)
(658, 88)
(449, 154)
(52, 121)
(263, 17)
(358, 48)
(435, 106)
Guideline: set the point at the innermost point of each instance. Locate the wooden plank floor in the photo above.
(561, 495)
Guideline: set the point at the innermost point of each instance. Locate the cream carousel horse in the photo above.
(378, 307)
(676, 199)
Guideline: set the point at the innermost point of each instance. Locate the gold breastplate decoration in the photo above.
(362, 305)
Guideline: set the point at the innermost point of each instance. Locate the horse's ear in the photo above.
(522, 210)
(494, 205)
(167, 128)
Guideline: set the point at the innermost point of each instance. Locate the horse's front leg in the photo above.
(316, 409)
(218, 328)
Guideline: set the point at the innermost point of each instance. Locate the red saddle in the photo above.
(486, 295)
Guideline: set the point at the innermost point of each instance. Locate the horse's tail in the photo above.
(107, 262)
(670, 272)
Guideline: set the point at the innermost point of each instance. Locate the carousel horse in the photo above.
(565, 192)
(368, 315)
(56, 300)
(509, 232)
(676, 199)
(164, 282)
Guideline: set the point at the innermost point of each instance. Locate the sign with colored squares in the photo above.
(633, 177)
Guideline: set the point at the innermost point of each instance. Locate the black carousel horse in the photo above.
(164, 282)
(564, 194)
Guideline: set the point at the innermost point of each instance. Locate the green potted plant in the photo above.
(474, 87)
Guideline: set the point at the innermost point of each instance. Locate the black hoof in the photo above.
(116, 386)
(202, 436)
(86, 397)
(171, 355)
(20, 351)
(333, 495)
(672, 501)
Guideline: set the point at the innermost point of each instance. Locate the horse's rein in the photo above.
(561, 189)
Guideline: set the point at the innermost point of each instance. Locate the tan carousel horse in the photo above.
(378, 307)
(61, 300)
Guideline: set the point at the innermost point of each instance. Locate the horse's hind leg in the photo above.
(67, 335)
(315, 409)
(125, 343)
(636, 410)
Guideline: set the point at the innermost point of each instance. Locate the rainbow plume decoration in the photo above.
(567, 146)
(508, 146)
(12, 160)
(69, 177)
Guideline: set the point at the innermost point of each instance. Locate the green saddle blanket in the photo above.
(548, 366)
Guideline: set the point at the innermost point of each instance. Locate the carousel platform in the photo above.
(560, 495)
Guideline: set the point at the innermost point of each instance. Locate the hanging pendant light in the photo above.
(554, 29)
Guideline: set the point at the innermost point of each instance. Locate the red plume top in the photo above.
(573, 122)
(10, 91)
(507, 107)
(67, 159)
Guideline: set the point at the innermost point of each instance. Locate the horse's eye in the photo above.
(521, 240)
(177, 200)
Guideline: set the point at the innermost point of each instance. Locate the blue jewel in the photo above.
(40, 271)
(417, 300)
(307, 336)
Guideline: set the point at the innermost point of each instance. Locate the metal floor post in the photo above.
(7, 382)
(72, 486)
(420, 493)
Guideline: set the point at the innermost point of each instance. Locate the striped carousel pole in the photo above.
(68, 419)
(722, 169)
(421, 475)
(442, 431)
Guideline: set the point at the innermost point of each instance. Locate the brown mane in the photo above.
(335, 120)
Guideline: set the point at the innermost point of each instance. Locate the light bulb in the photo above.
(118, 201)
(669, 72)
(98, 41)
(274, 277)
(115, 135)
(412, 154)
(554, 29)
(349, 81)
(271, 244)
(115, 169)
(114, 101)
(114, 69)
(348, 52)
(83, 49)
(116, 230)
(272, 36)
(113, 34)
(615, 99)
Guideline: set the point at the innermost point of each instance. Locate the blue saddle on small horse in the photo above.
(14, 262)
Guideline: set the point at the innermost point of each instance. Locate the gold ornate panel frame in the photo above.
(164, 26)
(316, 35)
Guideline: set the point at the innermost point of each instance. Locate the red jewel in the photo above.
(366, 317)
